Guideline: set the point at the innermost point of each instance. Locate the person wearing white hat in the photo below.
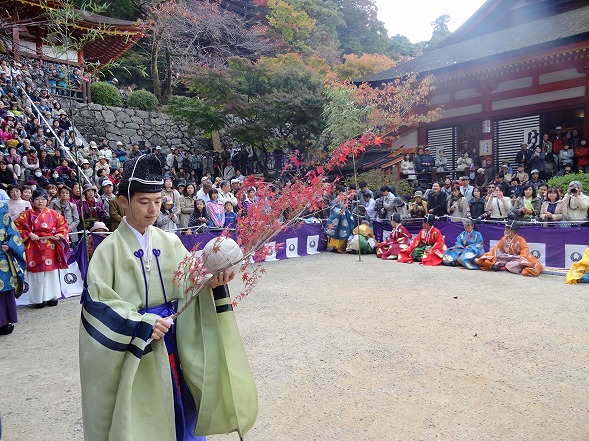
(505, 170)
(168, 218)
(106, 197)
(557, 143)
(161, 156)
(86, 169)
(102, 164)
(94, 155)
(99, 227)
(235, 185)
(418, 208)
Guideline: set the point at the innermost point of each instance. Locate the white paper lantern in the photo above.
(222, 254)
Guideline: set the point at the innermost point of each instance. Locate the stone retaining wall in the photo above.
(129, 125)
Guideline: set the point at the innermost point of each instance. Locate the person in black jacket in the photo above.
(477, 204)
(437, 201)
(39, 178)
(524, 156)
(46, 162)
(6, 176)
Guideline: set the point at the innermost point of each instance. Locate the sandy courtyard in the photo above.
(370, 350)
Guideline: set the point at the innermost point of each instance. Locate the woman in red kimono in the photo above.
(428, 247)
(398, 238)
(45, 234)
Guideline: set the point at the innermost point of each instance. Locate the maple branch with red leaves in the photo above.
(271, 212)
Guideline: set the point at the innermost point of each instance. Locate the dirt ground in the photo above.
(370, 350)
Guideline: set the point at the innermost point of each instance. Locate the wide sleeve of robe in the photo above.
(13, 262)
(126, 382)
(125, 378)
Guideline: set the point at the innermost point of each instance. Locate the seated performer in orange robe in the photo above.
(428, 247)
(511, 254)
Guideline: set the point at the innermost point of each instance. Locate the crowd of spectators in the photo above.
(40, 150)
(557, 153)
(516, 191)
(505, 197)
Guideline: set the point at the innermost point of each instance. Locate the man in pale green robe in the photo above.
(127, 386)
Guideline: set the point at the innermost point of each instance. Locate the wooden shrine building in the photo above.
(514, 71)
(25, 34)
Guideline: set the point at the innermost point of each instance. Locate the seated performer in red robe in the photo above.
(390, 249)
(511, 254)
(428, 247)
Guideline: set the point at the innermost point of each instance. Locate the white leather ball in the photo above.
(222, 254)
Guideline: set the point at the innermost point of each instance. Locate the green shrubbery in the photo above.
(106, 94)
(377, 177)
(142, 99)
(563, 182)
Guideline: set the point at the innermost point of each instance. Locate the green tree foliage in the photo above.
(123, 10)
(131, 68)
(377, 177)
(279, 104)
(363, 32)
(293, 25)
(206, 108)
(344, 119)
(274, 103)
(563, 182)
(142, 99)
(440, 31)
(323, 40)
(106, 94)
(400, 45)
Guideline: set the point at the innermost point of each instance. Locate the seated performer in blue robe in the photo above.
(340, 223)
(469, 246)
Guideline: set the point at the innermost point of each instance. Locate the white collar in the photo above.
(140, 237)
(144, 241)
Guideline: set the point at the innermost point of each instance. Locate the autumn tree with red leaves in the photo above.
(186, 34)
(354, 110)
